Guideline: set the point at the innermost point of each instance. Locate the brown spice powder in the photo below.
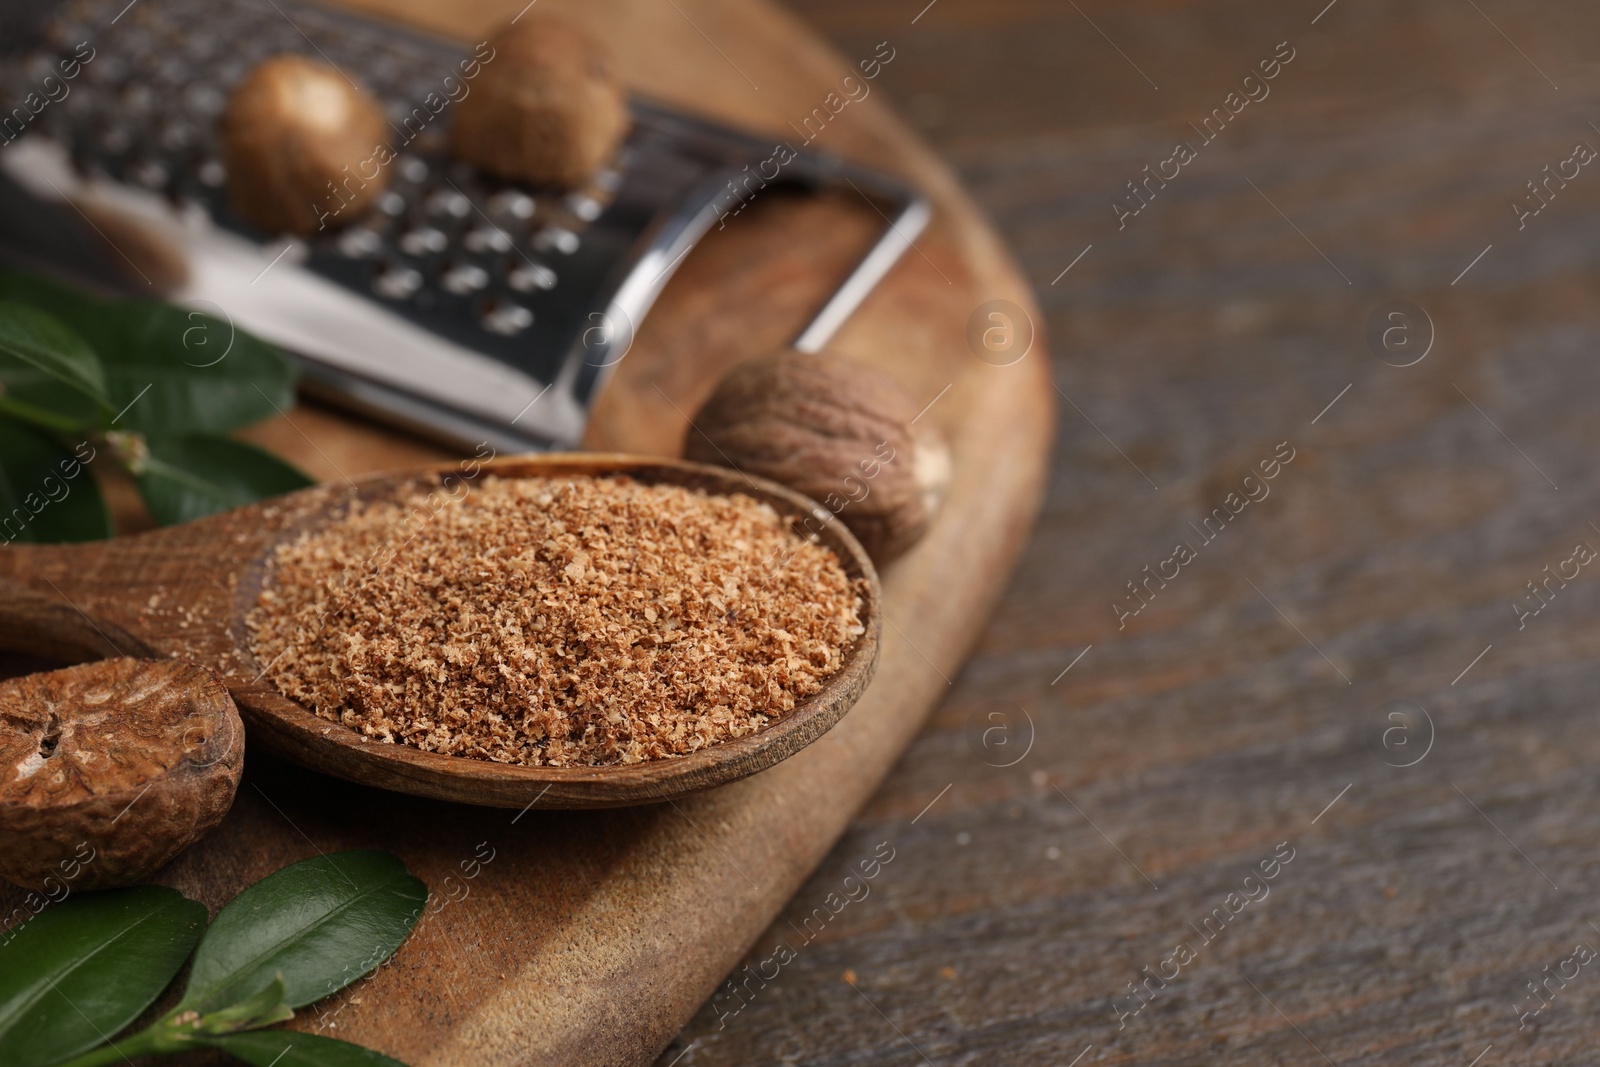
(557, 621)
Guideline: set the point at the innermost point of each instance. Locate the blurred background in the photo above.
(1310, 679)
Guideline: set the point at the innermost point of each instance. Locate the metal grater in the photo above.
(461, 306)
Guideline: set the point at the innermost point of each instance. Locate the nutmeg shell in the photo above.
(548, 106)
(303, 147)
(835, 429)
(110, 769)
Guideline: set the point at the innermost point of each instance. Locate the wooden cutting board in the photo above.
(591, 937)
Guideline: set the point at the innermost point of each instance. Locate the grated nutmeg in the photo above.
(556, 621)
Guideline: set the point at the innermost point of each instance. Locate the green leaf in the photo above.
(203, 375)
(46, 493)
(173, 369)
(33, 396)
(39, 356)
(289, 1048)
(187, 477)
(83, 969)
(319, 924)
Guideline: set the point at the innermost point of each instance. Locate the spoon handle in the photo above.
(35, 624)
(55, 601)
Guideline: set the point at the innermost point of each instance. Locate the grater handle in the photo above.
(903, 230)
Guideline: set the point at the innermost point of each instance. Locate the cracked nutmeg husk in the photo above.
(110, 769)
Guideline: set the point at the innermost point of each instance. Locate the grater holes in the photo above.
(487, 239)
(556, 238)
(511, 204)
(394, 282)
(360, 242)
(424, 240)
(391, 203)
(504, 318)
(583, 206)
(448, 203)
(463, 278)
(412, 169)
(526, 277)
(115, 140)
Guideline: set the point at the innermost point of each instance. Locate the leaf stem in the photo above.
(38, 416)
(140, 1044)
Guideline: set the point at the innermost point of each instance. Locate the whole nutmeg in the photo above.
(837, 431)
(110, 769)
(304, 148)
(547, 107)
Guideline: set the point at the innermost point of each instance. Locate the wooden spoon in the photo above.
(185, 591)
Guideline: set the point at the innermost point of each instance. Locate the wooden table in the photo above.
(1249, 703)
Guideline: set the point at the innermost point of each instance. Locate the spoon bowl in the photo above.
(186, 590)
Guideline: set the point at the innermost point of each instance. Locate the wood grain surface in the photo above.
(591, 937)
(1249, 704)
